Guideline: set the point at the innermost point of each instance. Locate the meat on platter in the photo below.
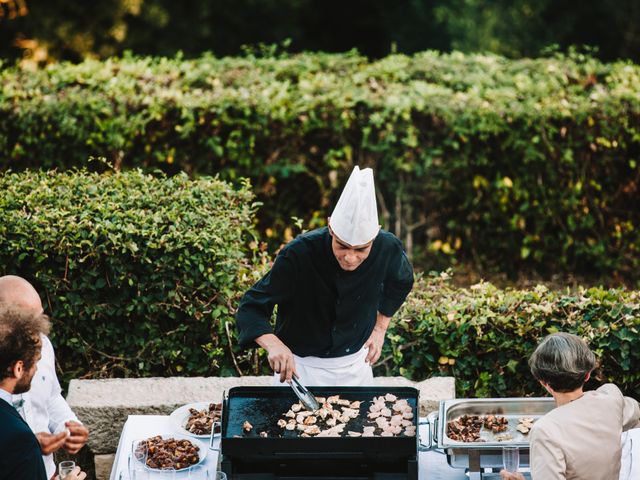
(386, 416)
(467, 428)
(200, 422)
(168, 453)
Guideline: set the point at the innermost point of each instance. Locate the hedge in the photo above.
(483, 336)
(512, 165)
(140, 273)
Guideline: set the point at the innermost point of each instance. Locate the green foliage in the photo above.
(511, 165)
(140, 273)
(483, 336)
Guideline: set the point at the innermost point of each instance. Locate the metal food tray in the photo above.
(510, 408)
(475, 456)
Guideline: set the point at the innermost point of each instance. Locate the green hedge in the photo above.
(141, 274)
(483, 336)
(511, 165)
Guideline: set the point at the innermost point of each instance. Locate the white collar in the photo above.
(6, 396)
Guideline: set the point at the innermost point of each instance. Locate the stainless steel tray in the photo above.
(510, 408)
(486, 454)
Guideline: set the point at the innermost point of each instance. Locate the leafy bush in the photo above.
(483, 336)
(140, 273)
(511, 165)
(142, 276)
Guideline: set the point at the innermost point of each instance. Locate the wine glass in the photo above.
(65, 468)
(511, 458)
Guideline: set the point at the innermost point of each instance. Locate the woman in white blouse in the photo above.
(580, 438)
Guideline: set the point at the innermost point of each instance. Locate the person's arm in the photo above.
(253, 318)
(61, 417)
(630, 414)
(397, 285)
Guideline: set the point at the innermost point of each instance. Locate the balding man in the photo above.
(43, 407)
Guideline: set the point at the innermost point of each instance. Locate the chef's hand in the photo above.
(376, 339)
(511, 475)
(374, 344)
(50, 443)
(77, 438)
(280, 357)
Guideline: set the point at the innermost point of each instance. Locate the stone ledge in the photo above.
(104, 405)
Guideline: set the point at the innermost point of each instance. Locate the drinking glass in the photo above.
(199, 472)
(139, 451)
(167, 473)
(511, 458)
(65, 468)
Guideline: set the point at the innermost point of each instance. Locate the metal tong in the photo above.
(306, 397)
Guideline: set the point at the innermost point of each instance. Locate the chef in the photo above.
(336, 289)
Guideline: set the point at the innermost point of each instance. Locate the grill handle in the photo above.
(432, 429)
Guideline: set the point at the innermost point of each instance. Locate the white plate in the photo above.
(202, 453)
(180, 416)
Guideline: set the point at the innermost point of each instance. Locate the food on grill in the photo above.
(465, 428)
(386, 416)
(505, 437)
(200, 422)
(496, 423)
(169, 453)
(525, 424)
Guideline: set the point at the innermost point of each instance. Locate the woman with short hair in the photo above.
(580, 438)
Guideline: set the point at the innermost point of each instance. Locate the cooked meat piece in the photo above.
(246, 426)
(296, 407)
(354, 434)
(282, 423)
(355, 404)
(310, 420)
(407, 415)
(385, 412)
(263, 434)
(390, 397)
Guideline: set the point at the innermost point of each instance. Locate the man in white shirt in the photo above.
(43, 407)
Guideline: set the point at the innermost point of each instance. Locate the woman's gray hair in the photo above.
(562, 361)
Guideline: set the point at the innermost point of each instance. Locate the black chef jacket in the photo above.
(325, 311)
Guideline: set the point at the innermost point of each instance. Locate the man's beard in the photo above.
(23, 385)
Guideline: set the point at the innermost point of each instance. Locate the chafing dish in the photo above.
(477, 457)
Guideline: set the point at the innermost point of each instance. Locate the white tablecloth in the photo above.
(433, 464)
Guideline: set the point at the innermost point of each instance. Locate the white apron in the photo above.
(350, 370)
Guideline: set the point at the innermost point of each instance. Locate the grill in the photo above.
(487, 454)
(293, 457)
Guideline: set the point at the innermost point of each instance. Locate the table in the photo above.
(432, 465)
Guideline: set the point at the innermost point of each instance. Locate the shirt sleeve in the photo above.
(547, 458)
(256, 306)
(630, 408)
(57, 407)
(397, 284)
(630, 414)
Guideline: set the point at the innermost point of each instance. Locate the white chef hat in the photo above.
(355, 218)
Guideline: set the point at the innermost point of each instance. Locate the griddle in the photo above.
(284, 454)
